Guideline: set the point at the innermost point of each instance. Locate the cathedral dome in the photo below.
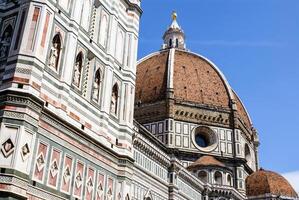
(189, 78)
(177, 82)
(265, 182)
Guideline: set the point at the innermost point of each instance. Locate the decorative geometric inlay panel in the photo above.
(100, 190)
(25, 152)
(7, 148)
(54, 168)
(40, 162)
(109, 194)
(89, 185)
(78, 180)
(66, 174)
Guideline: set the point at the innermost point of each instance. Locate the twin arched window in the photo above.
(55, 52)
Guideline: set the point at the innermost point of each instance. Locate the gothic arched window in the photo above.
(85, 14)
(103, 30)
(96, 88)
(114, 99)
(78, 69)
(176, 43)
(55, 52)
(119, 46)
(5, 41)
(203, 176)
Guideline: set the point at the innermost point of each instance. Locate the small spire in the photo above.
(174, 36)
(174, 16)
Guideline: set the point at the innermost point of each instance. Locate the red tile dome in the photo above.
(265, 182)
(193, 78)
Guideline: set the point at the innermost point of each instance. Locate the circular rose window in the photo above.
(204, 138)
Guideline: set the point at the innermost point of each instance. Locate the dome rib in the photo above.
(244, 115)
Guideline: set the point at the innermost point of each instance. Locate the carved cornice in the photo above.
(147, 147)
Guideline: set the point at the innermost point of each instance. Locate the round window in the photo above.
(205, 138)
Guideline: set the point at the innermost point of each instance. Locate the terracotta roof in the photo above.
(205, 161)
(152, 78)
(266, 182)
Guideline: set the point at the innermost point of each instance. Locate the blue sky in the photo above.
(256, 45)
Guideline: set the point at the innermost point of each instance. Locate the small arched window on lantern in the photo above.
(5, 41)
(55, 52)
(114, 99)
(218, 178)
(170, 42)
(176, 43)
(96, 87)
(78, 70)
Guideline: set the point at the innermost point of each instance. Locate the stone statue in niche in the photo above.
(77, 74)
(96, 85)
(54, 55)
(113, 103)
(5, 44)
